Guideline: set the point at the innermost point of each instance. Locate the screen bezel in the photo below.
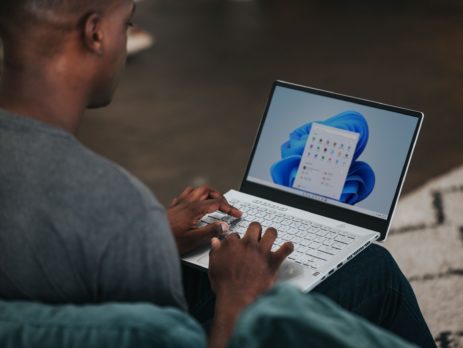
(321, 208)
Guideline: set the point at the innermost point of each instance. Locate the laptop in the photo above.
(326, 171)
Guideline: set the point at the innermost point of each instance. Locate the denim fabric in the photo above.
(373, 287)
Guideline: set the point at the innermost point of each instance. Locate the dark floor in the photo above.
(188, 109)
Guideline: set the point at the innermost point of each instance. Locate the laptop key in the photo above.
(327, 242)
(331, 235)
(338, 245)
(344, 239)
(305, 242)
(350, 236)
(319, 255)
(328, 250)
(286, 222)
(315, 264)
(314, 243)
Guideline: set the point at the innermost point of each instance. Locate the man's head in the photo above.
(81, 41)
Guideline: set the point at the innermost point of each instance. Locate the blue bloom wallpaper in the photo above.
(360, 180)
(374, 168)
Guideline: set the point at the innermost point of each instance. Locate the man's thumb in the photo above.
(213, 230)
(215, 244)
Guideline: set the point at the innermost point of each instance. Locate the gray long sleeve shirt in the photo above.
(75, 227)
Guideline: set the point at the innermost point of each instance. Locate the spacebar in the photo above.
(318, 254)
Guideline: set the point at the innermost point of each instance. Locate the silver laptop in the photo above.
(326, 171)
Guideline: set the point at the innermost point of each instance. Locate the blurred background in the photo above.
(192, 96)
(187, 109)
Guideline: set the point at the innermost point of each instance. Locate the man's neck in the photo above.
(43, 95)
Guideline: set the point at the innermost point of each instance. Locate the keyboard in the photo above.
(314, 244)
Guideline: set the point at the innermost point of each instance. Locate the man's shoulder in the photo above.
(59, 167)
(106, 179)
(123, 180)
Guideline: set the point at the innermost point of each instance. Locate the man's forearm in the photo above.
(227, 311)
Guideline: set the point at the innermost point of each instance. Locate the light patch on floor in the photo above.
(427, 241)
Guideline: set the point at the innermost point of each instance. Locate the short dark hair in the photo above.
(13, 12)
(16, 6)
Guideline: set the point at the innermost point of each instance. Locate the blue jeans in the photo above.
(371, 286)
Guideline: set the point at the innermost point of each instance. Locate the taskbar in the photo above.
(317, 197)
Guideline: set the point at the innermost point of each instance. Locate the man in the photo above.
(104, 234)
(75, 227)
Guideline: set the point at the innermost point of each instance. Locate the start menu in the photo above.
(326, 161)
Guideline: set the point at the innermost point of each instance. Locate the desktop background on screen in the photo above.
(336, 151)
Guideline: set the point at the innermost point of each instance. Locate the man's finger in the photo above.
(215, 194)
(201, 193)
(212, 230)
(212, 194)
(226, 208)
(234, 235)
(173, 203)
(183, 197)
(211, 205)
(208, 206)
(281, 254)
(185, 193)
(253, 234)
(215, 244)
(202, 236)
(229, 209)
(268, 239)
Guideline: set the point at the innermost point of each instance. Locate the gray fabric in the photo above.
(75, 227)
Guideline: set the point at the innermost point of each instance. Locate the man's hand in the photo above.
(186, 211)
(240, 270)
(191, 194)
(245, 268)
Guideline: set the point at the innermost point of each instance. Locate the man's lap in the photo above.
(374, 268)
(371, 286)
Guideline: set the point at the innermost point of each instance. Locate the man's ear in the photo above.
(93, 33)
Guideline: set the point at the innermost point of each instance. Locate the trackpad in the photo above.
(289, 270)
(204, 260)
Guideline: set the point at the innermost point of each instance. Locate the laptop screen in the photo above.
(333, 150)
